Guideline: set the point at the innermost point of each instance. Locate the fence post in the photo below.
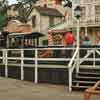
(70, 80)
(6, 62)
(22, 64)
(36, 66)
(78, 60)
(94, 58)
(4, 56)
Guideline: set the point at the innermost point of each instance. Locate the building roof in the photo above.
(17, 26)
(62, 27)
(47, 11)
(59, 26)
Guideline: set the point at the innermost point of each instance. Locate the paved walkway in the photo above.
(11, 89)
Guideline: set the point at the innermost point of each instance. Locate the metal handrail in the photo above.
(71, 68)
(73, 58)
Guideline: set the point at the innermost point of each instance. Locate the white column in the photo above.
(93, 15)
(73, 7)
(36, 66)
(6, 63)
(94, 58)
(86, 31)
(70, 80)
(4, 56)
(78, 44)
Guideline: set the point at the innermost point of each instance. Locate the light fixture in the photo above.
(77, 12)
(67, 3)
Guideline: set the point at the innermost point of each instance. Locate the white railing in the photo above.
(35, 58)
(71, 65)
(90, 51)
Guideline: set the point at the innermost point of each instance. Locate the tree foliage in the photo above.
(24, 7)
(3, 13)
(27, 3)
(3, 7)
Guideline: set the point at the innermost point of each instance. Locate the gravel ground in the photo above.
(11, 89)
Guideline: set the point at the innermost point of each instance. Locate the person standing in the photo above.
(98, 40)
(69, 43)
(82, 35)
(87, 41)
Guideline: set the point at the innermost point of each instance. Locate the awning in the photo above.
(34, 35)
(62, 31)
(27, 35)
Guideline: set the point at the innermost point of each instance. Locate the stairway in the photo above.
(85, 78)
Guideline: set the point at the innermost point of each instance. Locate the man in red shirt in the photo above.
(69, 42)
(69, 39)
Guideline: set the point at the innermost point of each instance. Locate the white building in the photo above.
(89, 21)
(42, 18)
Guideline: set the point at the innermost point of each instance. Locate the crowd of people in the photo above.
(70, 42)
(85, 39)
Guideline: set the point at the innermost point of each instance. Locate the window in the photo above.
(29, 42)
(97, 9)
(45, 42)
(57, 39)
(97, 20)
(97, 13)
(50, 3)
(88, 1)
(34, 21)
(76, 1)
(58, 2)
(83, 12)
(45, 5)
(51, 21)
(97, 1)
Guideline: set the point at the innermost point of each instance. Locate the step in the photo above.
(87, 77)
(90, 69)
(89, 73)
(78, 87)
(12, 62)
(84, 82)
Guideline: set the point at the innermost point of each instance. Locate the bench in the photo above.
(92, 91)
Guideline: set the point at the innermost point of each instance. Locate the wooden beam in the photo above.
(92, 91)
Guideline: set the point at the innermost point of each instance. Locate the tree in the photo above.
(3, 7)
(24, 7)
(27, 3)
(3, 13)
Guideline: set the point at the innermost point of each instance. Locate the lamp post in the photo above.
(77, 14)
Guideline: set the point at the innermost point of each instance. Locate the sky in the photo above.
(12, 2)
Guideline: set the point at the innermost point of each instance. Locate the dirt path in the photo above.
(11, 89)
